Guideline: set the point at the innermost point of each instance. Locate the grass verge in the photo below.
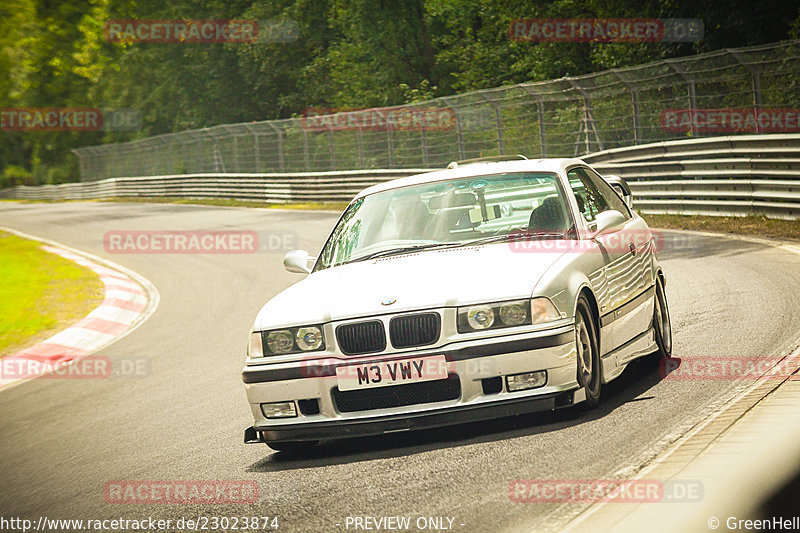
(41, 293)
(751, 225)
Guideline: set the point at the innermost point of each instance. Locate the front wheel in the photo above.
(588, 353)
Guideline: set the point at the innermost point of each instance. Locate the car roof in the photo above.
(557, 165)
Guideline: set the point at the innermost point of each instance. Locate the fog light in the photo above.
(528, 380)
(279, 410)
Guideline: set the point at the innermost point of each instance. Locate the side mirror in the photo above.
(622, 188)
(608, 221)
(297, 261)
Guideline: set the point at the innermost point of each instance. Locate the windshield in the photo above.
(448, 213)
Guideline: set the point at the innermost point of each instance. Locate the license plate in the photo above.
(388, 373)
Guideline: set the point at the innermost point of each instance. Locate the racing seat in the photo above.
(414, 225)
(548, 217)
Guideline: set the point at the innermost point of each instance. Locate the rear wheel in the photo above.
(588, 353)
(661, 322)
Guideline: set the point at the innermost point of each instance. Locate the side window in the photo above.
(608, 192)
(593, 194)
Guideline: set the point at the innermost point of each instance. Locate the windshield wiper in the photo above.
(405, 250)
(483, 240)
(514, 237)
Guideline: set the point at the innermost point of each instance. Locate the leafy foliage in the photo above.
(348, 53)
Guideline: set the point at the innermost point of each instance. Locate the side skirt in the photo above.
(615, 362)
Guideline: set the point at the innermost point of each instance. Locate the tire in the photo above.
(293, 447)
(662, 325)
(589, 372)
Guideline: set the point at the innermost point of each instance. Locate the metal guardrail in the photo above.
(737, 175)
(340, 186)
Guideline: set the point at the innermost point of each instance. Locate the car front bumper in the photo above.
(470, 362)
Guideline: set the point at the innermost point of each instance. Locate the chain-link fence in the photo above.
(705, 95)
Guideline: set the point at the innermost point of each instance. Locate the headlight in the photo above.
(286, 341)
(280, 342)
(480, 317)
(514, 313)
(506, 314)
(309, 339)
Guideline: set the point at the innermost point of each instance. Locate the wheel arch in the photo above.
(660, 275)
(593, 307)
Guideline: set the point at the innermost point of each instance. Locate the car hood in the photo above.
(423, 280)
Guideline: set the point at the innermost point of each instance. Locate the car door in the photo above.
(623, 299)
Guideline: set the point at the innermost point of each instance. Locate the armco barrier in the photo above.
(735, 175)
(339, 186)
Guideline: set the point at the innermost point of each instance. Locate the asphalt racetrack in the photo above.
(62, 440)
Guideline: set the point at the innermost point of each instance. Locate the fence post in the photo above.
(756, 74)
(279, 133)
(690, 89)
(333, 147)
(305, 149)
(498, 119)
(637, 125)
(540, 113)
(360, 148)
(423, 138)
(588, 117)
(236, 164)
(460, 133)
(391, 147)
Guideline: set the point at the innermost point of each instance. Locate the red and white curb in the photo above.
(129, 300)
